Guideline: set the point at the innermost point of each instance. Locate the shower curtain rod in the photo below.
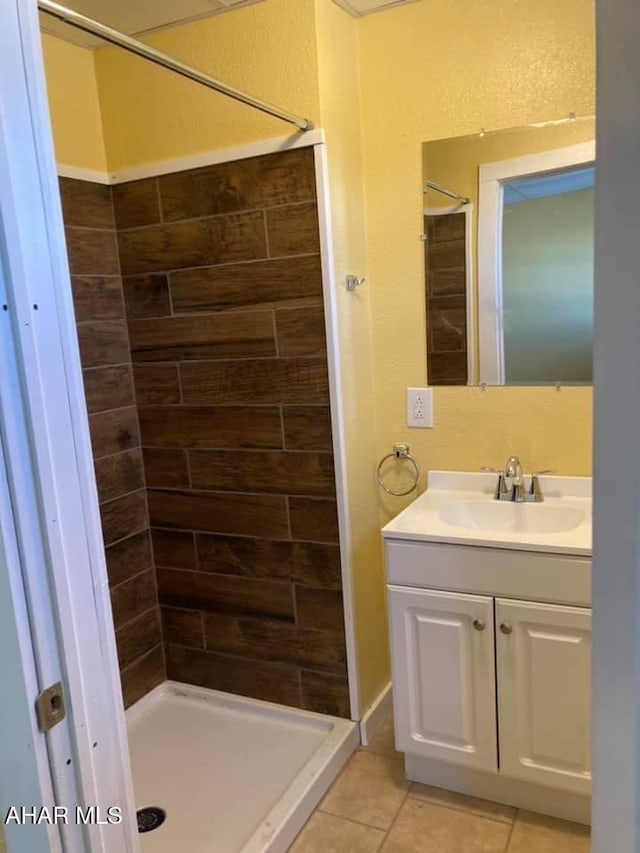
(88, 25)
(431, 185)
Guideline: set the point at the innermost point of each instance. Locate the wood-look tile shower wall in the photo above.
(115, 436)
(223, 292)
(446, 292)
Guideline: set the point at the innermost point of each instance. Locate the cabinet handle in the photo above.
(506, 628)
(479, 624)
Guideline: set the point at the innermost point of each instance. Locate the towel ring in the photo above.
(400, 451)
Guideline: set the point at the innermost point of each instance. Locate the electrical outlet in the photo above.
(420, 407)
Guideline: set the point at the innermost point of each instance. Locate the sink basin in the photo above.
(459, 508)
(512, 517)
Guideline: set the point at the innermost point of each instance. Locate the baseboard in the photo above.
(375, 715)
(499, 789)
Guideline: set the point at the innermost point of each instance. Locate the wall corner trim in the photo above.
(195, 161)
(375, 715)
(95, 176)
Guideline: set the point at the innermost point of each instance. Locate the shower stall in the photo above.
(199, 305)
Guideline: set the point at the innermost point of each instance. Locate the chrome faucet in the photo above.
(513, 474)
(511, 484)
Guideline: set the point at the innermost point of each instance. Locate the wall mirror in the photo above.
(508, 239)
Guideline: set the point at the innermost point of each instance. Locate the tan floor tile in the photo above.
(427, 828)
(384, 741)
(325, 833)
(370, 790)
(533, 833)
(473, 805)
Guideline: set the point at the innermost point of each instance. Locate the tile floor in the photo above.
(371, 807)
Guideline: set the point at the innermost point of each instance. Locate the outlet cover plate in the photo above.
(420, 408)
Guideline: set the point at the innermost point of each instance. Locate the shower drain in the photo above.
(150, 818)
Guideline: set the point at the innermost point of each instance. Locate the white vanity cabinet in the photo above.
(492, 692)
(490, 627)
(443, 660)
(476, 678)
(543, 662)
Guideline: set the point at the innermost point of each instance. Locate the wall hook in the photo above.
(353, 281)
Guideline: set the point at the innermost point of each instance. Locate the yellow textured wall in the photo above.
(73, 104)
(431, 70)
(267, 50)
(339, 110)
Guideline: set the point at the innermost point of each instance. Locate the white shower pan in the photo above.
(234, 775)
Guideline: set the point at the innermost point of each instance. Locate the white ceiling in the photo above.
(135, 17)
(364, 7)
(552, 183)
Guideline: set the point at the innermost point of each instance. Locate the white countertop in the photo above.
(421, 520)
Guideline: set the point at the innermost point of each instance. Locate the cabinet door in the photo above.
(442, 647)
(544, 693)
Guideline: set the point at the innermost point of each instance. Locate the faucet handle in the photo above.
(534, 486)
(501, 486)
